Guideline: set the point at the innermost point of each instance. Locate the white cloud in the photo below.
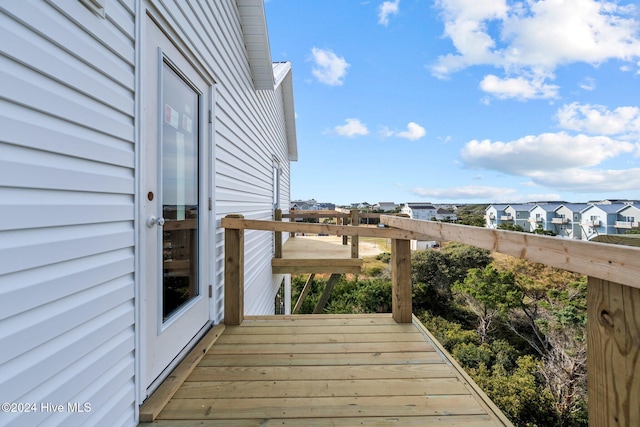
(466, 192)
(351, 128)
(548, 152)
(387, 8)
(592, 181)
(588, 83)
(329, 68)
(485, 193)
(414, 132)
(533, 38)
(519, 87)
(598, 119)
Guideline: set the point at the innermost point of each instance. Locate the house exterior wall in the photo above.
(570, 226)
(605, 221)
(68, 189)
(628, 219)
(493, 215)
(419, 213)
(520, 215)
(67, 167)
(537, 217)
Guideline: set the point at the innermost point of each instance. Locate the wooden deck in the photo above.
(306, 254)
(324, 370)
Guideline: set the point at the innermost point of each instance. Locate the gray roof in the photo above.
(574, 207)
(610, 209)
(420, 206)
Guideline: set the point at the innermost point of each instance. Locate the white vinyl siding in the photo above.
(68, 191)
(249, 130)
(66, 223)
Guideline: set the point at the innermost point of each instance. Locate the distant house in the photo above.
(326, 206)
(567, 218)
(600, 219)
(385, 206)
(628, 219)
(518, 215)
(540, 217)
(128, 129)
(424, 211)
(311, 205)
(445, 215)
(614, 202)
(303, 205)
(361, 206)
(495, 215)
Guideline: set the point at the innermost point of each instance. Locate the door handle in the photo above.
(152, 220)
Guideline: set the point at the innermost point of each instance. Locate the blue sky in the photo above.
(463, 101)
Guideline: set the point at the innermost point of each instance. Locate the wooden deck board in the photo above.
(320, 337)
(323, 359)
(326, 371)
(321, 407)
(439, 421)
(321, 388)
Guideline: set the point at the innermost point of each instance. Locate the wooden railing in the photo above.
(613, 300)
(342, 218)
(234, 259)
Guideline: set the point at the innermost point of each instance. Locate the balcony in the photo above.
(506, 218)
(559, 220)
(323, 370)
(627, 224)
(591, 222)
(388, 369)
(537, 220)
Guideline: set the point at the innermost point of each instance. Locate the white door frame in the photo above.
(145, 19)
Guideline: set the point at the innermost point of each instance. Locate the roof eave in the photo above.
(256, 39)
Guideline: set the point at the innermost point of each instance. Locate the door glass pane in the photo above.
(179, 192)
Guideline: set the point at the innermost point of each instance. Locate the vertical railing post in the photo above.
(613, 353)
(355, 221)
(401, 280)
(233, 274)
(291, 211)
(343, 221)
(277, 235)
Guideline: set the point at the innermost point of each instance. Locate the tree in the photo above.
(488, 294)
(551, 318)
(510, 227)
(434, 272)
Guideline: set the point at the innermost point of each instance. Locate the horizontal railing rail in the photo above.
(615, 263)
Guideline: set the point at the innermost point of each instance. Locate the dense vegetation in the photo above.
(516, 327)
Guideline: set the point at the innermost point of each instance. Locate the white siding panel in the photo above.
(48, 59)
(86, 22)
(54, 26)
(33, 368)
(60, 316)
(28, 289)
(67, 193)
(249, 132)
(24, 249)
(27, 87)
(24, 127)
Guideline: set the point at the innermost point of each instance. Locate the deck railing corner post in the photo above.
(277, 235)
(234, 274)
(401, 280)
(355, 221)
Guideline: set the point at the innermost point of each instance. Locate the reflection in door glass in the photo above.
(180, 160)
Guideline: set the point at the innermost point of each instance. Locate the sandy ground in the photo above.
(365, 248)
